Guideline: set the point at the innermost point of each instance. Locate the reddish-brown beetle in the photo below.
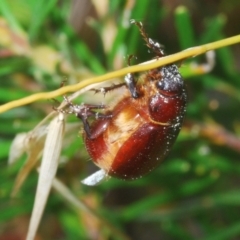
(135, 135)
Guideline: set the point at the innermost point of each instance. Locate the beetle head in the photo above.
(171, 82)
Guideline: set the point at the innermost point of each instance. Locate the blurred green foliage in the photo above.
(194, 194)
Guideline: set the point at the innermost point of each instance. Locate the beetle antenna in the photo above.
(156, 47)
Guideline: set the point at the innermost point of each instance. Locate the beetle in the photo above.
(131, 138)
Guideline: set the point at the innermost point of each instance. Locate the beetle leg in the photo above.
(130, 80)
(85, 125)
(131, 84)
(104, 90)
(103, 116)
(156, 47)
(84, 111)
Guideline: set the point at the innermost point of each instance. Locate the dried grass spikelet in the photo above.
(48, 169)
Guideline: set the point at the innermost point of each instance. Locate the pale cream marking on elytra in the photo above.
(124, 127)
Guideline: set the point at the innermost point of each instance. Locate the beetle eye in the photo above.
(160, 85)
